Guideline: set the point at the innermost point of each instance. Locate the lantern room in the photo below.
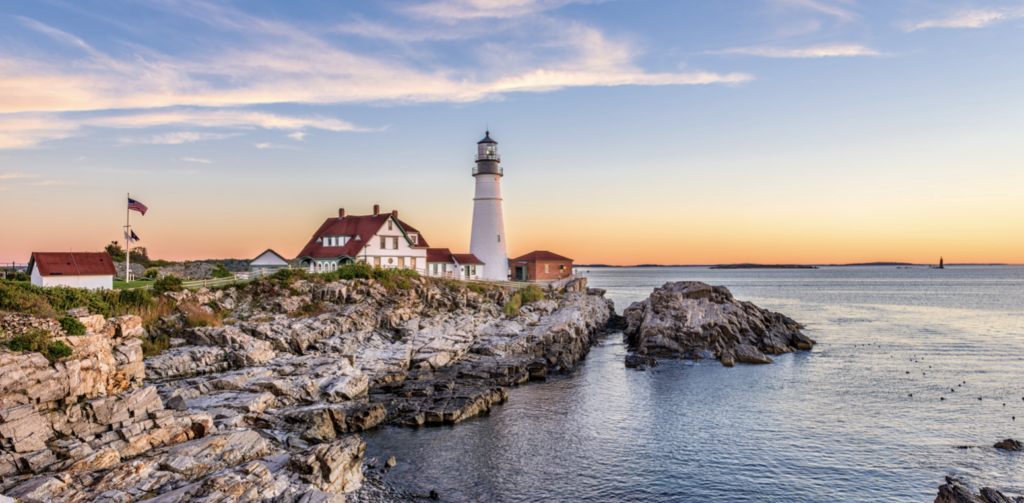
(487, 149)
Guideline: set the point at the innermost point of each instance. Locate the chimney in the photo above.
(376, 209)
(394, 213)
(341, 212)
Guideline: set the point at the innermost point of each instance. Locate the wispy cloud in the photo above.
(175, 138)
(477, 9)
(820, 6)
(298, 135)
(275, 62)
(972, 18)
(55, 182)
(15, 174)
(272, 145)
(195, 159)
(821, 51)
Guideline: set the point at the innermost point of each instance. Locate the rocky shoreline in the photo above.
(266, 402)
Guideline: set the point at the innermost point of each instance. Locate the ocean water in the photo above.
(833, 424)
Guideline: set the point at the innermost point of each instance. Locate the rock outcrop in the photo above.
(1010, 445)
(954, 491)
(695, 320)
(266, 406)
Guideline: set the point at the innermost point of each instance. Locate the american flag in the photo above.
(137, 206)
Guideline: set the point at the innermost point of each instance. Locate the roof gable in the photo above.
(542, 256)
(272, 255)
(362, 228)
(441, 255)
(72, 264)
(467, 259)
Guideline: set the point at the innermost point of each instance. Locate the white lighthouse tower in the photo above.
(488, 238)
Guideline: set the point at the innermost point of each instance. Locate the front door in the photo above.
(465, 270)
(520, 273)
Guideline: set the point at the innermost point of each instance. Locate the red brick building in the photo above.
(540, 266)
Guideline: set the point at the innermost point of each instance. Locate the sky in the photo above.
(631, 131)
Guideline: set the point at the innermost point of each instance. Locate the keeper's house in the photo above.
(442, 262)
(269, 260)
(380, 239)
(540, 266)
(74, 269)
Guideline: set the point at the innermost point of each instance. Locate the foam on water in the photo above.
(834, 424)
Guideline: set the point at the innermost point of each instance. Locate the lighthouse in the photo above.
(488, 239)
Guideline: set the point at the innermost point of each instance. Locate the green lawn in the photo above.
(121, 285)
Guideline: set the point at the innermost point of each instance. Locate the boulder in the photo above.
(1010, 445)
(689, 319)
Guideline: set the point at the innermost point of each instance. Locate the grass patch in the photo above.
(524, 296)
(122, 285)
(156, 345)
(195, 316)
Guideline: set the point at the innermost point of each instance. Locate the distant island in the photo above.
(763, 266)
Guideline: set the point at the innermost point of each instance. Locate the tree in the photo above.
(140, 255)
(116, 252)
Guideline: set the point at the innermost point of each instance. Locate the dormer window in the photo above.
(414, 238)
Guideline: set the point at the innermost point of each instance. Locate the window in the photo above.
(390, 224)
(376, 261)
(472, 271)
(561, 267)
(383, 243)
(394, 242)
(412, 264)
(546, 270)
(414, 238)
(499, 238)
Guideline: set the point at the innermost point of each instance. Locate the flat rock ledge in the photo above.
(268, 406)
(694, 320)
(954, 491)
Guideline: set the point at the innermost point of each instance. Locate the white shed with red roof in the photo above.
(442, 262)
(93, 270)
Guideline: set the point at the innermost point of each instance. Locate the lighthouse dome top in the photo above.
(487, 139)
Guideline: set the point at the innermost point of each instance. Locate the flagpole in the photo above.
(128, 242)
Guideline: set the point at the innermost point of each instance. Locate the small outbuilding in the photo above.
(270, 260)
(442, 262)
(92, 270)
(540, 266)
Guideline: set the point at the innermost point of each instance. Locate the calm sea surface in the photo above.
(834, 424)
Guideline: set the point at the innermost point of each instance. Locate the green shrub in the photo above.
(41, 341)
(22, 298)
(404, 284)
(220, 272)
(71, 325)
(168, 283)
(58, 351)
(152, 273)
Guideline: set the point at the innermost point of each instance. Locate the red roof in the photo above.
(443, 255)
(542, 256)
(466, 258)
(362, 226)
(72, 264)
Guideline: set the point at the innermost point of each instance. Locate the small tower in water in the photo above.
(941, 264)
(488, 239)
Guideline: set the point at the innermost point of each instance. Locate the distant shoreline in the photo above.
(782, 266)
